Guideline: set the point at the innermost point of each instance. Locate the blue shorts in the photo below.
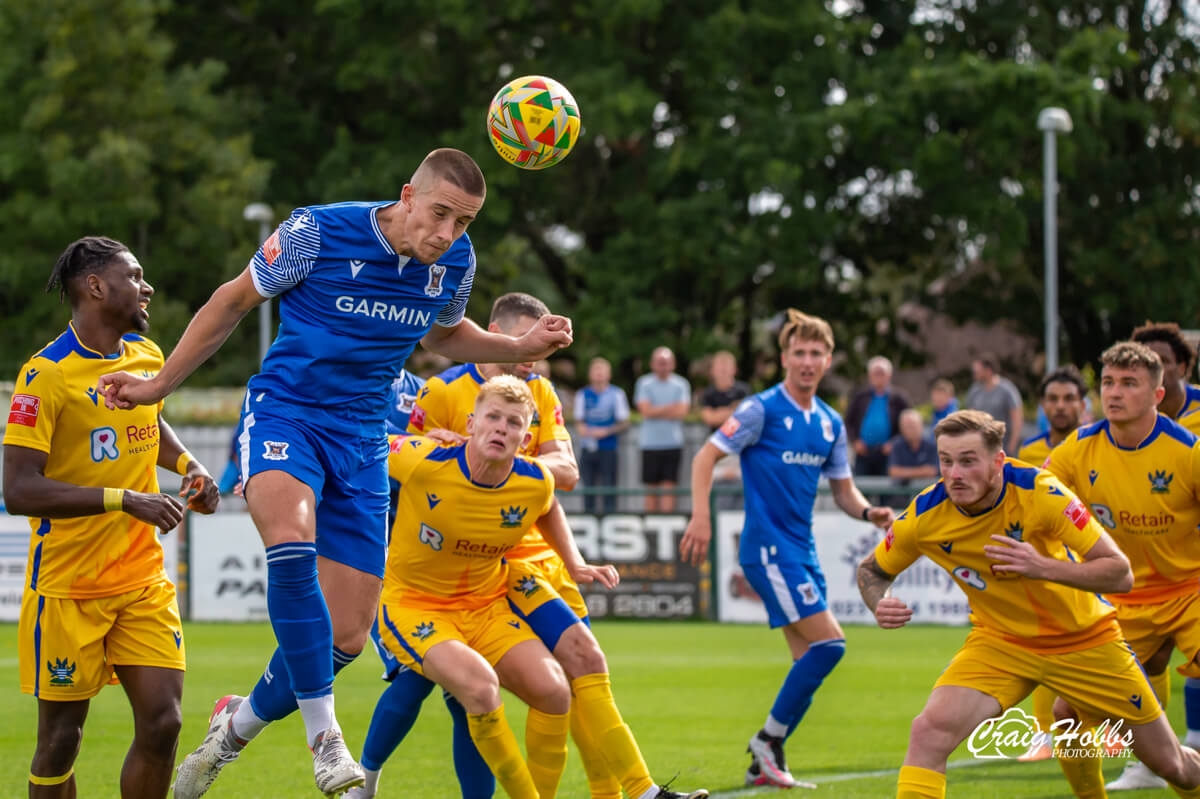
(345, 468)
(790, 591)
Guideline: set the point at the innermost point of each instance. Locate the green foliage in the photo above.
(97, 135)
(736, 158)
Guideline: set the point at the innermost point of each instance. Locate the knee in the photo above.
(158, 730)
(931, 735)
(57, 747)
(481, 695)
(580, 653)
(553, 693)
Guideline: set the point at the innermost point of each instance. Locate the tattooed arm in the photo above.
(875, 585)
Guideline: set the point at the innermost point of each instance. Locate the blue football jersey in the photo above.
(784, 450)
(401, 397)
(350, 309)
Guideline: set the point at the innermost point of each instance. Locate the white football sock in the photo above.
(318, 716)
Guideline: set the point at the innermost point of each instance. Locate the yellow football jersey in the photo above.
(451, 535)
(1146, 498)
(57, 410)
(1190, 421)
(1033, 506)
(448, 400)
(1191, 401)
(1035, 450)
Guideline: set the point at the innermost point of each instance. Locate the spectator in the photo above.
(662, 398)
(874, 417)
(942, 399)
(601, 414)
(913, 455)
(997, 396)
(717, 403)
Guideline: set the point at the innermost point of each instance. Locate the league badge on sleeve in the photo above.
(24, 410)
(1077, 512)
(730, 427)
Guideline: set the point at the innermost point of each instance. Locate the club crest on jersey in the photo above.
(826, 429)
(512, 516)
(1160, 481)
(61, 672)
(423, 631)
(433, 288)
(275, 450)
(430, 536)
(104, 444)
(527, 586)
(1015, 531)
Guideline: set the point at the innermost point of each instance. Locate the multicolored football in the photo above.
(533, 122)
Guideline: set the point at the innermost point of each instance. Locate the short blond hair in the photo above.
(508, 388)
(960, 423)
(806, 328)
(1133, 355)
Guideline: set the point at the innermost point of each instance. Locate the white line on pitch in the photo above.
(762, 790)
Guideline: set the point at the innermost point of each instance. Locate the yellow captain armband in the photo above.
(36, 780)
(114, 499)
(185, 459)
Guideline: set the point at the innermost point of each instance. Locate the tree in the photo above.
(98, 136)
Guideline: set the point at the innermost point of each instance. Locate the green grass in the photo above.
(693, 694)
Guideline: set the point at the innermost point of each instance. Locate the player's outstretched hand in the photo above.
(881, 516)
(1015, 557)
(199, 491)
(161, 510)
(693, 547)
(126, 390)
(607, 576)
(891, 613)
(445, 437)
(548, 335)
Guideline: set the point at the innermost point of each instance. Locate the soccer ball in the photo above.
(533, 122)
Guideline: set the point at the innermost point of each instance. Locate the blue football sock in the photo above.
(1191, 703)
(395, 713)
(300, 617)
(806, 675)
(272, 697)
(474, 777)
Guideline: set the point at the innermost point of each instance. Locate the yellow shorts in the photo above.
(532, 584)
(409, 633)
(69, 648)
(1101, 682)
(1148, 627)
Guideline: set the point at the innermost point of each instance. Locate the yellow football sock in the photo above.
(1084, 776)
(598, 712)
(1043, 707)
(1186, 793)
(498, 747)
(601, 782)
(1161, 683)
(546, 750)
(920, 783)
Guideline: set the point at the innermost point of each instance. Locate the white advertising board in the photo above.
(841, 543)
(227, 578)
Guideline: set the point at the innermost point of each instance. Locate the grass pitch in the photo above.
(692, 693)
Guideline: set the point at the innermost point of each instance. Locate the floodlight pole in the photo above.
(1051, 121)
(261, 213)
